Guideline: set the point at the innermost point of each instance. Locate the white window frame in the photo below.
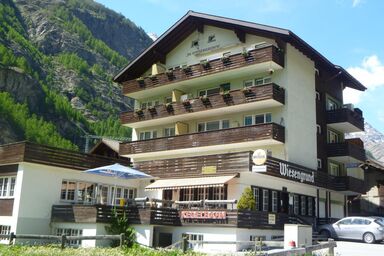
(334, 169)
(310, 206)
(263, 80)
(195, 237)
(70, 232)
(256, 194)
(204, 92)
(296, 204)
(5, 230)
(303, 205)
(274, 201)
(220, 125)
(254, 118)
(265, 200)
(149, 103)
(152, 135)
(7, 186)
(333, 137)
(332, 104)
(169, 131)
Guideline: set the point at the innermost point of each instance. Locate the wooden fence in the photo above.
(63, 239)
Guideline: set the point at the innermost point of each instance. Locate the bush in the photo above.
(247, 200)
(120, 225)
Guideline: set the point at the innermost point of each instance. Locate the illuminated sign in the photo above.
(217, 215)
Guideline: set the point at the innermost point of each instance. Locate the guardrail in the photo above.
(63, 238)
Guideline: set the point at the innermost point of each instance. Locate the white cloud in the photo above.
(370, 74)
(356, 3)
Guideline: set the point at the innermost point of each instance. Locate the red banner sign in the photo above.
(218, 215)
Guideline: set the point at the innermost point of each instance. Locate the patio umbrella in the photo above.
(118, 171)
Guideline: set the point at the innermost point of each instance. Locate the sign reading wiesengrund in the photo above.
(291, 172)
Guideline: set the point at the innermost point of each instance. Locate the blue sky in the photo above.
(347, 32)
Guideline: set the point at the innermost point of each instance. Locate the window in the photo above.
(310, 206)
(333, 137)
(331, 104)
(5, 230)
(263, 80)
(169, 131)
(258, 119)
(257, 198)
(149, 104)
(148, 135)
(225, 87)
(85, 192)
(70, 232)
(209, 92)
(195, 43)
(358, 221)
(7, 186)
(213, 125)
(303, 202)
(274, 201)
(345, 222)
(248, 83)
(211, 38)
(265, 200)
(319, 163)
(194, 237)
(334, 169)
(296, 204)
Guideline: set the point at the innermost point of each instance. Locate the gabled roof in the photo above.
(194, 20)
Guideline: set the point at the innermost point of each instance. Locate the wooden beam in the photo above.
(240, 35)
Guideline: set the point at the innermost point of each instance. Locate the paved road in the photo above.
(359, 249)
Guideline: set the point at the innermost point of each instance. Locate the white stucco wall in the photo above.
(40, 188)
(299, 111)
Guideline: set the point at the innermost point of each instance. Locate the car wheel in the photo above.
(369, 238)
(325, 233)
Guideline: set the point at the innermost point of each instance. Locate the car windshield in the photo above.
(380, 221)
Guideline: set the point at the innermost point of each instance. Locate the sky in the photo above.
(346, 32)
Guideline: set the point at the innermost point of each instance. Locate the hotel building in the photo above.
(212, 90)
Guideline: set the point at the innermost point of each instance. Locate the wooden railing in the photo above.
(41, 154)
(260, 55)
(234, 97)
(342, 115)
(201, 139)
(346, 149)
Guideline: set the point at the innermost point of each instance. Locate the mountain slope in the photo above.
(66, 53)
(373, 141)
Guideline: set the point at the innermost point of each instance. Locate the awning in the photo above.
(217, 181)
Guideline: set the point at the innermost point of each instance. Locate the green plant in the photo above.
(120, 225)
(247, 200)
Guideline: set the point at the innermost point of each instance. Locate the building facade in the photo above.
(43, 191)
(212, 90)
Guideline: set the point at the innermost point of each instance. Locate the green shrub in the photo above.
(247, 200)
(120, 225)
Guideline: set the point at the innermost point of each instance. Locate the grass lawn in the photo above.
(54, 250)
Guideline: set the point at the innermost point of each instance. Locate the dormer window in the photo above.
(211, 38)
(195, 43)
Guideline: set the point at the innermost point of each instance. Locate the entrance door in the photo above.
(284, 202)
(165, 239)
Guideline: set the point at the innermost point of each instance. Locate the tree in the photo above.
(120, 225)
(247, 200)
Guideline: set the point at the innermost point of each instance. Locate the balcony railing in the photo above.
(169, 216)
(348, 183)
(255, 56)
(234, 97)
(349, 120)
(344, 151)
(269, 131)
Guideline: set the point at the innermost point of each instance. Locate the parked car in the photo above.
(367, 229)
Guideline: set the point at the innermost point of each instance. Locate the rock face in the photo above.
(70, 48)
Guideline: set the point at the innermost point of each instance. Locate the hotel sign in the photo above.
(259, 157)
(296, 174)
(217, 215)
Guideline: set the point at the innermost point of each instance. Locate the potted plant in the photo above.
(245, 54)
(169, 107)
(139, 112)
(205, 100)
(153, 77)
(226, 94)
(205, 64)
(225, 59)
(247, 91)
(169, 73)
(140, 80)
(187, 69)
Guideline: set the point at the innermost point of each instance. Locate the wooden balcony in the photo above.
(350, 184)
(267, 54)
(246, 136)
(346, 152)
(346, 120)
(269, 95)
(104, 213)
(167, 216)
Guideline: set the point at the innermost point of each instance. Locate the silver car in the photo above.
(367, 229)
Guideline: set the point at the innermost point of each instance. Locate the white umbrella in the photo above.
(118, 171)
